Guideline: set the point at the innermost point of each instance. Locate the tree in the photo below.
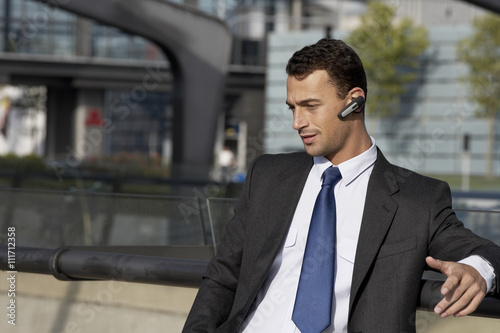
(481, 52)
(389, 53)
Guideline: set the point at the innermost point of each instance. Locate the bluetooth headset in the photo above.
(357, 103)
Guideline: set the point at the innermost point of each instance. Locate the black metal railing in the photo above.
(69, 264)
(66, 264)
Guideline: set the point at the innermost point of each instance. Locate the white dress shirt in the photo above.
(273, 307)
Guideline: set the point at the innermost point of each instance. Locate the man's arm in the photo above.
(210, 308)
(465, 287)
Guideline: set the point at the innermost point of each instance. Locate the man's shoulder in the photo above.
(403, 176)
(418, 177)
(271, 165)
(297, 157)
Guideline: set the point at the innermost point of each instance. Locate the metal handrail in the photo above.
(69, 264)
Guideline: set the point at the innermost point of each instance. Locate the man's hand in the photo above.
(463, 290)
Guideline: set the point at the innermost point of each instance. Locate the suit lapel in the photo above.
(269, 236)
(378, 215)
(289, 189)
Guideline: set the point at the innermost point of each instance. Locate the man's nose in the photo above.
(299, 120)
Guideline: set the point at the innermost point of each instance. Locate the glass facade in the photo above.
(138, 127)
(35, 28)
(110, 42)
(32, 27)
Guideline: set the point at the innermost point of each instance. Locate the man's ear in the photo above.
(355, 93)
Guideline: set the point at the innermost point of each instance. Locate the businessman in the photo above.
(335, 239)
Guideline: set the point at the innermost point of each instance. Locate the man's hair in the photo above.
(339, 60)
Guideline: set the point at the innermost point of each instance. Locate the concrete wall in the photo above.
(47, 305)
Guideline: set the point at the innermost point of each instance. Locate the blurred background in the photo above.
(131, 124)
(79, 96)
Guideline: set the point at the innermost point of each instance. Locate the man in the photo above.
(390, 224)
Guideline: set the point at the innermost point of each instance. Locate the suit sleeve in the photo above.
(215, 297)
(450, 240)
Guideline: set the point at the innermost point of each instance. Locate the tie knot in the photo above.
(331, 176)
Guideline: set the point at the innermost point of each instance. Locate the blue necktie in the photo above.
(312, 311)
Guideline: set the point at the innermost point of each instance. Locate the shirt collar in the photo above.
(351, 168)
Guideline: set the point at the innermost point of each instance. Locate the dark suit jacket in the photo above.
(406, 218)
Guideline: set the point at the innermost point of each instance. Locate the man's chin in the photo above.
(313, 152)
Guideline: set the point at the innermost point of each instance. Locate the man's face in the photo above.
(315, 105)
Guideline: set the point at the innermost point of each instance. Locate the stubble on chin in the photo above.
(313, 151)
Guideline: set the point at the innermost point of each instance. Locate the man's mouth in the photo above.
(308, 138)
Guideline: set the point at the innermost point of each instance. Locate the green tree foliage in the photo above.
(481, 52)
(389, 52)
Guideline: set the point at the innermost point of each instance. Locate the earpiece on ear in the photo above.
(353, 106)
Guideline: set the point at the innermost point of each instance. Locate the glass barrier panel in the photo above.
(483, 223)
(220, 211)
(52, 219)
